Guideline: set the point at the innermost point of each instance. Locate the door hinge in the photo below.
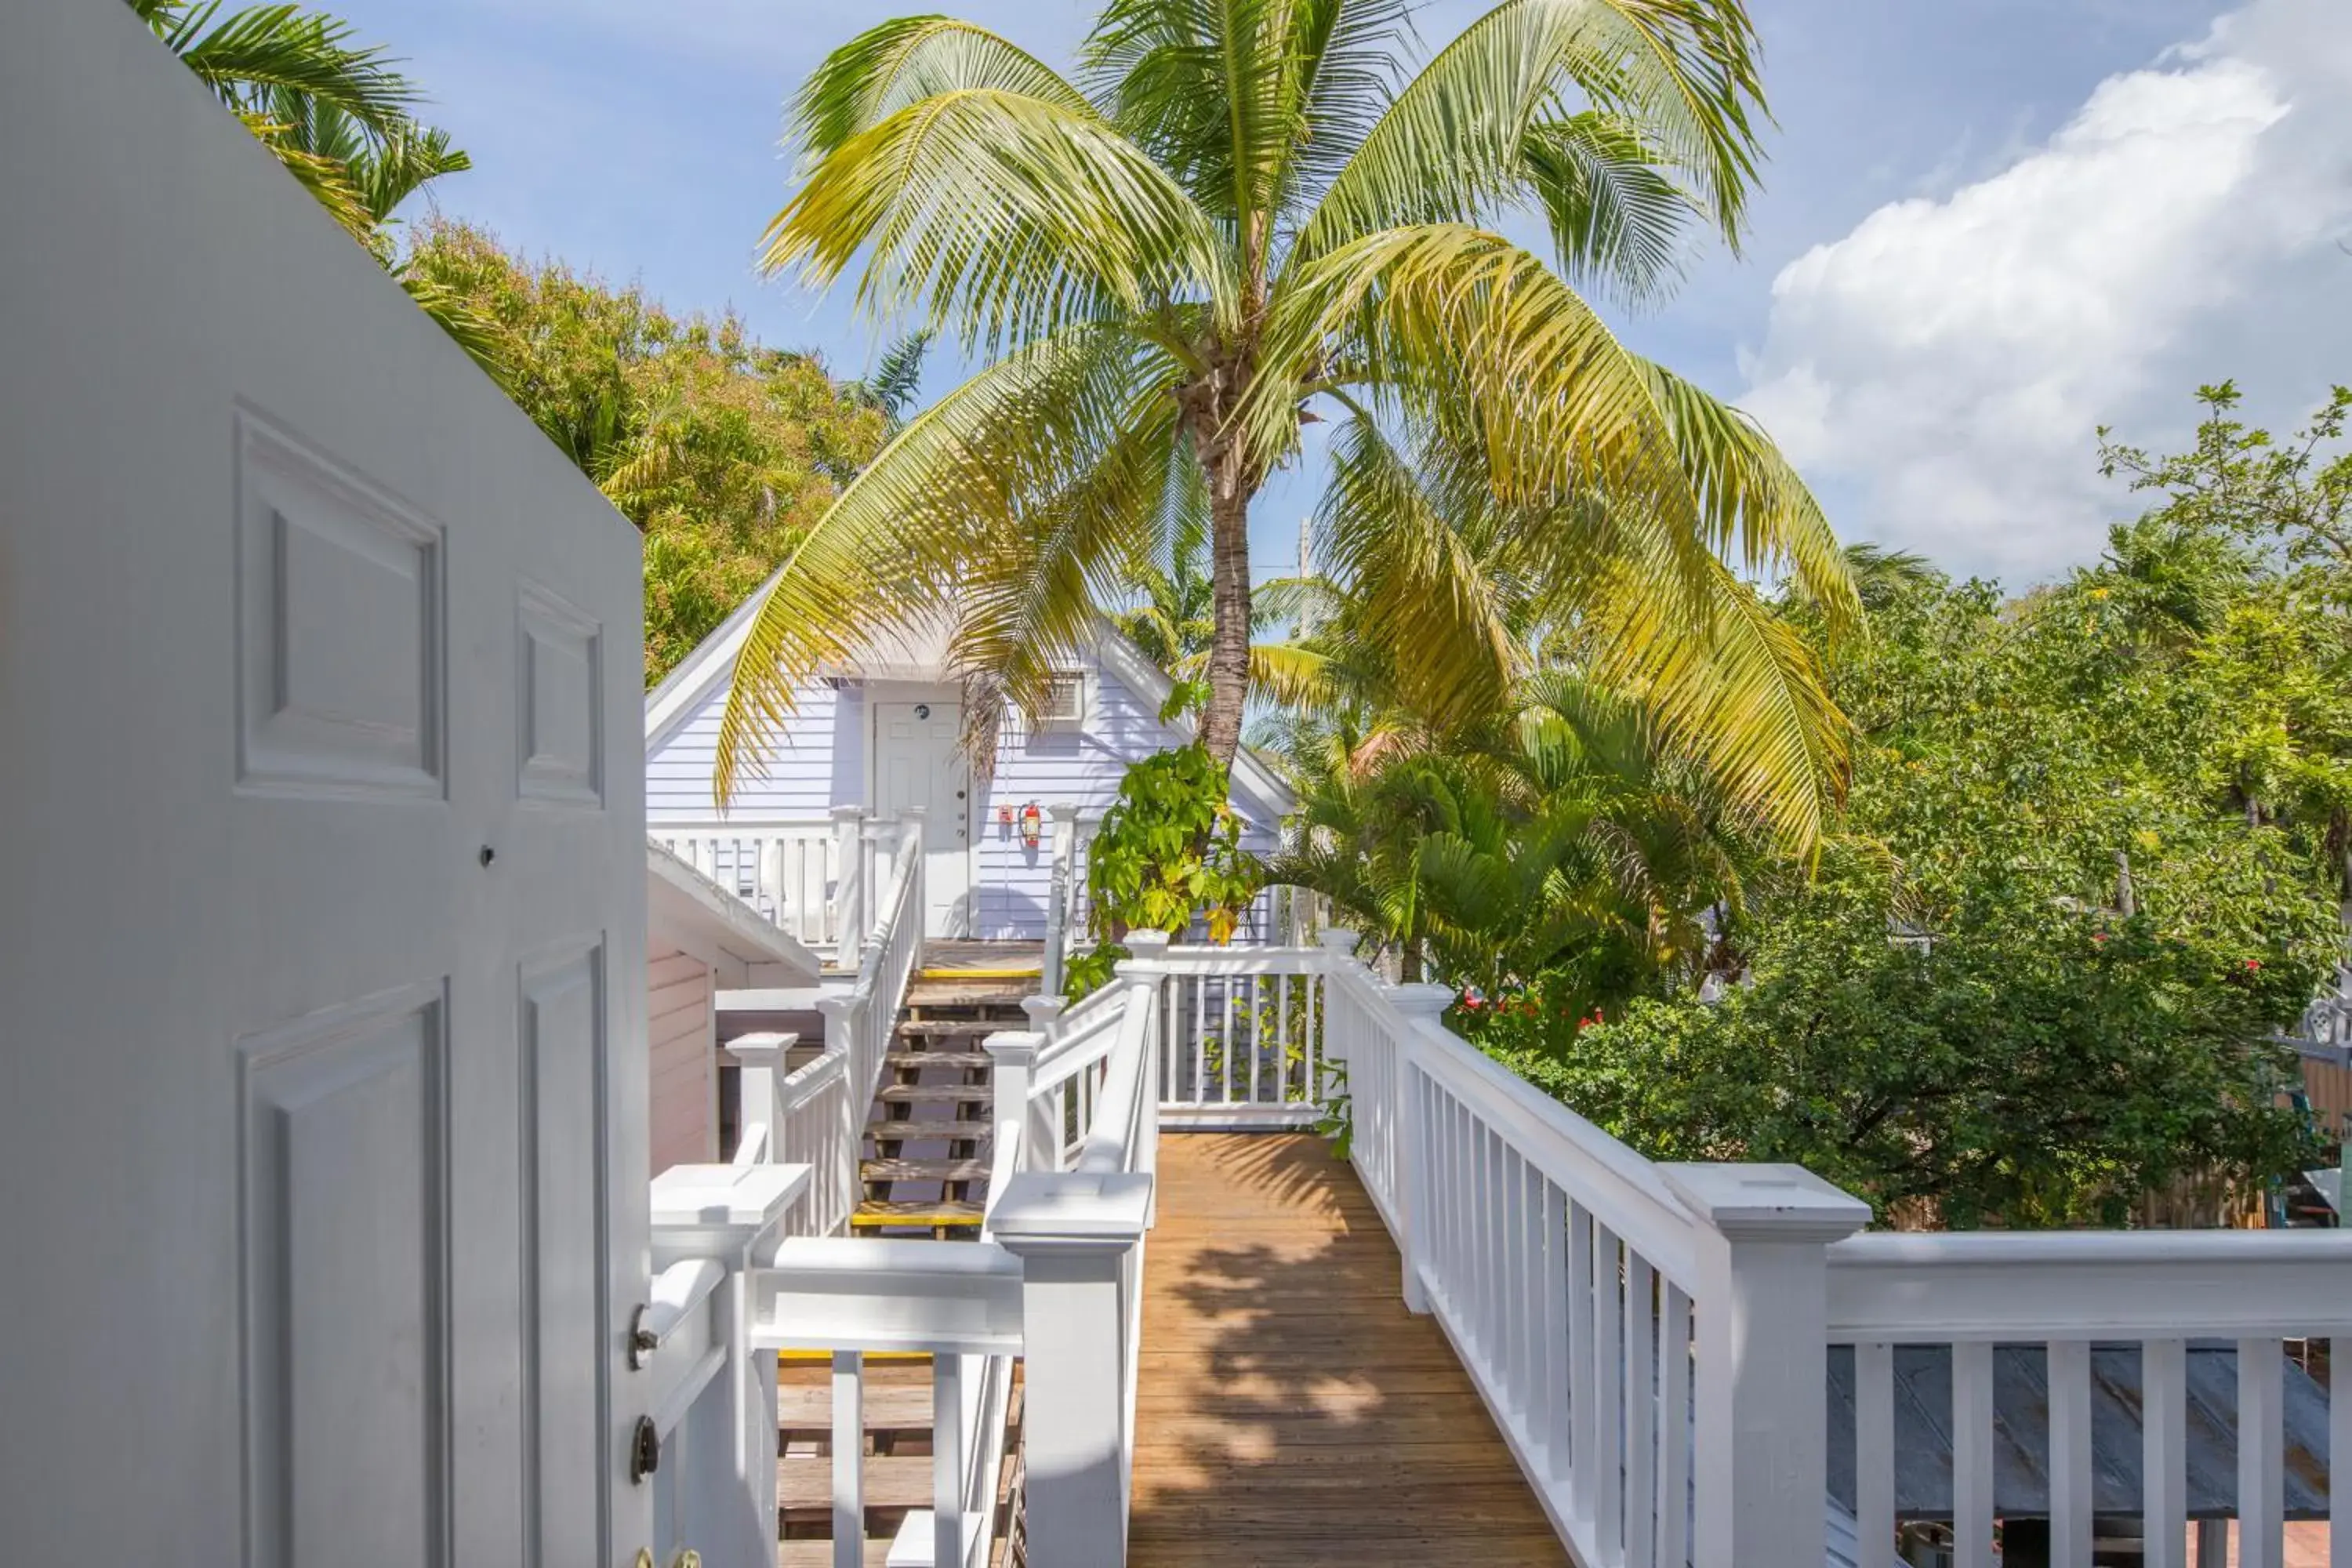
(644, 1450)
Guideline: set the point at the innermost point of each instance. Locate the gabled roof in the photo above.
(682, 691)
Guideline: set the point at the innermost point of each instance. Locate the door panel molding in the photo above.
(343, 1244)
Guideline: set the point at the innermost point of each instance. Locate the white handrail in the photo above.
(791, 869)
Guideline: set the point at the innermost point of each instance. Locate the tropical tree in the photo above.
(1244, 217)
(336, 116)
(1169, 613)
(1565, 850)
(897, 381)
(722, 450)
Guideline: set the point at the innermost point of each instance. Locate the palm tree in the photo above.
(897, 381)
(1242, 218)
(1170, 614)
(1566, 840)
(338, 117)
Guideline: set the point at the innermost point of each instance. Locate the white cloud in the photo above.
(1949, 361)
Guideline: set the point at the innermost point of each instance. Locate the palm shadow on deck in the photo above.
(1289, 1410)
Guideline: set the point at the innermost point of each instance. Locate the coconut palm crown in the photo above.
(1243, 217)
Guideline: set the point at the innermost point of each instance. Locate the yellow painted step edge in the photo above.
(1030, 974)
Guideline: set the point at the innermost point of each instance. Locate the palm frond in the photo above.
(1001, 217)
(1454, 146)
(1739, 691)
(405, 162)
(1618, 217)
(1757, 512)
(484, 340)
(329, 180)
(1466, 316)
(900, 63)
(896, 548)
(263, 48)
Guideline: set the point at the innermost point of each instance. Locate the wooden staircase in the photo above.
(898, 1461)
(928, 1143)
(925, 1169)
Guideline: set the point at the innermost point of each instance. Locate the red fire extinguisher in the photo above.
(1033, 826)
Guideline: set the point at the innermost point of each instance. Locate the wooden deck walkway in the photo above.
(1289, 1410)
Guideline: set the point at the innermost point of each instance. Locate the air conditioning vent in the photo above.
(1065, 706)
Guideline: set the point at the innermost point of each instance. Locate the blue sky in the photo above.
(1987, 226)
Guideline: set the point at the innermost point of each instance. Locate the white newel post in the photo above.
(1762, 1420)
(1424, 1007)
(1013, 1060)
(1073, 1234)
(721, 1445)
(1061, 897)
(849, 898)
(877, 849)
(760, 1061)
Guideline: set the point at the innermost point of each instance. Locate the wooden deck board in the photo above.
(1289, 1409)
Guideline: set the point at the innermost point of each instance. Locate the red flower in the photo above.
(2253, 964)
(2098, 936)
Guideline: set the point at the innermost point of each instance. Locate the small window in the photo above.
(1065, 707)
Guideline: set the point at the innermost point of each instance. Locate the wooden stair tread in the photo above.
(957, 1028)
(974, 992)
(922, 1169)
(904, 1408)
(805, 1482)
(818, 1554)
(875, 1214)
(938, 1059)
(915, 1093)
(917, 1131)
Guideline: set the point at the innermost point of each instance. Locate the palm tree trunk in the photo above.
(1229, 644)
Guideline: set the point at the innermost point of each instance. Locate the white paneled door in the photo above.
(322, 1175)
(917, 765)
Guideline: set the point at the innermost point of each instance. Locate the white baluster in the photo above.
(2262, 1480)
(2339, 1449)
(848, 1460)
(946, 1461)
(1582, 1361)
(1674, 1460)
(1551, 1390)
(1641, 1413)
(2164, 1453)
(2070, 1534)
(1608, 1392)
(1972, 1499)
(1873, 1449)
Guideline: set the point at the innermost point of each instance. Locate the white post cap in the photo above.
(1766, 1202)
(761, 1051)
(1339, 939)
(1422, 1000)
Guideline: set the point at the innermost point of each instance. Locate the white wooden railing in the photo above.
(2141, 1297)
(815, 1115)
(1056, 1279)
(809, 875)
(1653, 1340)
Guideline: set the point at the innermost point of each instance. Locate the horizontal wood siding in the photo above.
(678, 1029)
(821, 764)
(1010, 881)
(820, 761)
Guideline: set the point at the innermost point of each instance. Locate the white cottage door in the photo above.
(322, 1144)
(917, 765)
